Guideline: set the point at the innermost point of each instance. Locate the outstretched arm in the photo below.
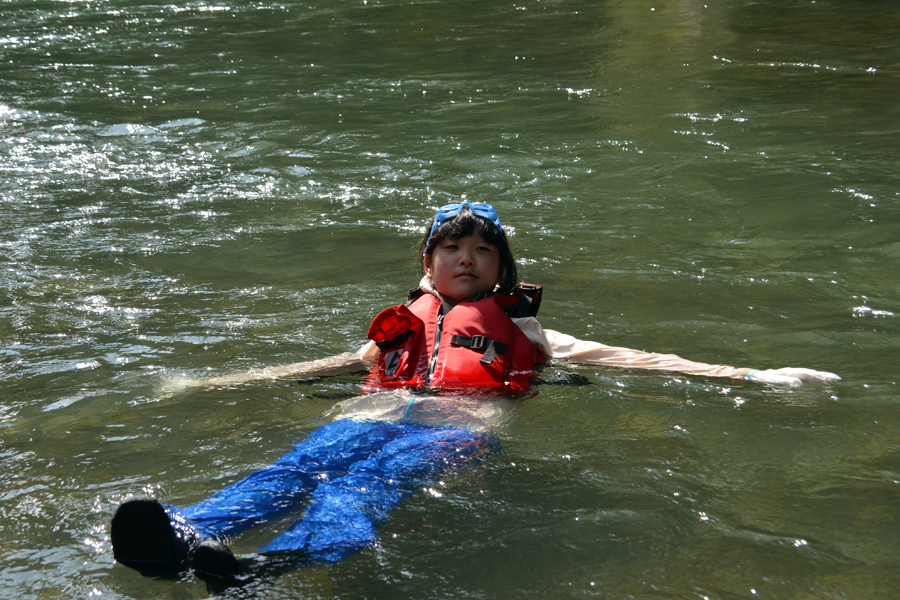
(348, 361)
(561, 346)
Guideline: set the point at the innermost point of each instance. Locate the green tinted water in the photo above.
(202, 188)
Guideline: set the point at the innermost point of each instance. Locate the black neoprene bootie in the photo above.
(143, 537)
(212, 557)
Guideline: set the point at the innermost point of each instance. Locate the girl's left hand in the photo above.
(791, 376)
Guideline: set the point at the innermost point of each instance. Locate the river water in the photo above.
(201, 188)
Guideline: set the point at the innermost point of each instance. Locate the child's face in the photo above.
(462, 268)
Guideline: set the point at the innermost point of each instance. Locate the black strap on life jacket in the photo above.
(397, 341)
(413, 295)
(529, 301)
(490, 348)
(529, 296)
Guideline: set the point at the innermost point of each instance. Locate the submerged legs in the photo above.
(325, 454)
(354, 473)
(345, 511)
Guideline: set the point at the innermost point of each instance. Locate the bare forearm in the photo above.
(348, 361)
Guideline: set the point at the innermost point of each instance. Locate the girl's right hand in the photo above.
(791, 376)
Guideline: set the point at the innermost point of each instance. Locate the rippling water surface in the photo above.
(200, 188)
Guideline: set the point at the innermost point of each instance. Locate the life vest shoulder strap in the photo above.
(524, 302)
(529, 301)
(413, 295)
(528, 295)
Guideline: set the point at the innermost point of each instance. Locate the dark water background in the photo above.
(201, 188)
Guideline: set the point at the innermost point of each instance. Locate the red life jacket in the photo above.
(475, 346)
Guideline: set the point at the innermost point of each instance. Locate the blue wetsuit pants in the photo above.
(352, 472)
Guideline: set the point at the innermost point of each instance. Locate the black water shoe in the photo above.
(143, 537)
(212, 557)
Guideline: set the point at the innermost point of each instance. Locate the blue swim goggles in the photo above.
(479, 209)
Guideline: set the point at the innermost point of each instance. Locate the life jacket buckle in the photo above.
(479, 342)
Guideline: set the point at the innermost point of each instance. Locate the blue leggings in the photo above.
(354, 473)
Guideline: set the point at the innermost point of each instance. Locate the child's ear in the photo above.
(426, 265)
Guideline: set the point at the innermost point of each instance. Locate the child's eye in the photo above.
(451, 247)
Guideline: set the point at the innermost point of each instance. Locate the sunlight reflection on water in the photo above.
(199, 190)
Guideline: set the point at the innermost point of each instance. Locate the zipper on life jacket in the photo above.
(432, 364)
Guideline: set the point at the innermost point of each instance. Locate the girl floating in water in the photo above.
(467, 334)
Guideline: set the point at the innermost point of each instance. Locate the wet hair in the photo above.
(463, 225)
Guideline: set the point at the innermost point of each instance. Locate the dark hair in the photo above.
(465, 224)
